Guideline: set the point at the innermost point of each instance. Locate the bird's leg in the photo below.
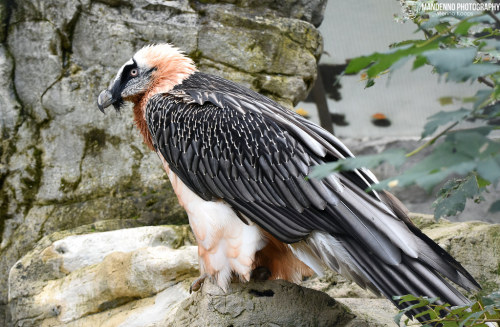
(196, 285)
(260, 273)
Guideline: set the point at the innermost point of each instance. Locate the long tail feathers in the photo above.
(417, 276)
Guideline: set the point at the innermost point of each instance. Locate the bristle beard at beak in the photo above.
(118, 104)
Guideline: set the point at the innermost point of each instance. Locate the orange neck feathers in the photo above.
(172, 67)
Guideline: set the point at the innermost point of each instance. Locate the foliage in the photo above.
(477, 313)
(451, 198)
(460, 49)
(394, 157)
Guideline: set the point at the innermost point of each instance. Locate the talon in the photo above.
(260, 273)
(198, 282)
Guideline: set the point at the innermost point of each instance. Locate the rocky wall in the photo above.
(62, 163)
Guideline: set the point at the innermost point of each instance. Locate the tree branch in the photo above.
(485, 81)
(431, 141)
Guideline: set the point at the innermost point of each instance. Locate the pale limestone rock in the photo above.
(475, 244)
(35, 45)
(269, 303)
(370, 312)
(119, 277)
(80, 275)
(337, 286)
(74, 250)
(9, 113)
(140, 277)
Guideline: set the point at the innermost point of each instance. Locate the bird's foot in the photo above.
(260, 273)
(196, 285)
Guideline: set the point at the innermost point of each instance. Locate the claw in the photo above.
(196, 285)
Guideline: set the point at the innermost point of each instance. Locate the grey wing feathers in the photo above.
(227, 142)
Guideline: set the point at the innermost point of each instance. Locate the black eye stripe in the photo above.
(124, 77)
(126, 72)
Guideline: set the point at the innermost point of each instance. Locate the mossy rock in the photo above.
(475, 244)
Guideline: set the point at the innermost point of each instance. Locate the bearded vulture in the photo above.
(239, 164)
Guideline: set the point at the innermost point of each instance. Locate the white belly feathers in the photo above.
(225, 243)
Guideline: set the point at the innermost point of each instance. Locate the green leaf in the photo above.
(405, 298)
(443, 117)
(449, 324)
(419, 62)
(429, 312)
(463, 27)
(472, 72)
(481, 130)
(422, 303)
(442, 27)
(481, 182)
(459, 309)
(452, 197)
(446, 60)
(394, 157)
(357, 64)
(406, 42)
(492, 311)
(473, 317)
(386, 60)
(481, 97)
(495, 207)
(489, 169)
(377, 63)
(458, 63)
(474, 143)
(456, 155)
(402, 180)
(430, 180)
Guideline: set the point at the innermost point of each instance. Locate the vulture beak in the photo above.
(104, 100)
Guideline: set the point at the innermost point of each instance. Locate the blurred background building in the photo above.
(354, 28)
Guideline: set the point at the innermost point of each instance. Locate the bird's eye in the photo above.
(134, 72)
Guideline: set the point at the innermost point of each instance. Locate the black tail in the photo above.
(411, 276)
(421, 276)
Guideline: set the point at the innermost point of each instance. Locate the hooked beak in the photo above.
(104, 100)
